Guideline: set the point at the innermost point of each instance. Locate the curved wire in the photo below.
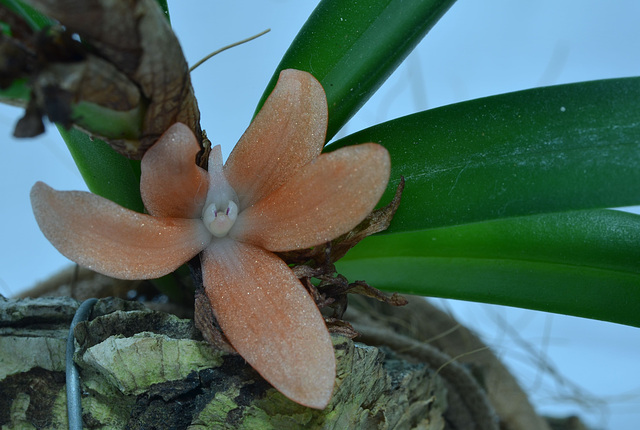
(74, 405)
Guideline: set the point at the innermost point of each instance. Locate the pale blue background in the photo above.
(478, 49)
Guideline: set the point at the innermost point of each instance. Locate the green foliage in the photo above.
(353, 47)
(105, 172)
(497, 189)
(165, 8)
(548, 149)
(583, 263)
(474, 166)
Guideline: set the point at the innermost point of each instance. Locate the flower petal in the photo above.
(325, 199)
(97, 233)
(287, 133)
(172, 185)
(271, 320)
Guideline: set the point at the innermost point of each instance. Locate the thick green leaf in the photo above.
(544, 150)
(352, 47)
(583, 263)
(105, 172)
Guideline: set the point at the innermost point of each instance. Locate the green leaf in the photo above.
(352, 47)
(544, 150)
(583, 263)
(105, 172)
(35, 19)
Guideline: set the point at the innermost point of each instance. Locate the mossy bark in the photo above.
(143, 368)
(148, 369)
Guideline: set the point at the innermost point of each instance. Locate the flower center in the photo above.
(221, 207)
(220, 220)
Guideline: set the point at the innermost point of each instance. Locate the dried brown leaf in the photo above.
(146, 68)
(342, 327)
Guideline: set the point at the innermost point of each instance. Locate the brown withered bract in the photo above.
(130, 63)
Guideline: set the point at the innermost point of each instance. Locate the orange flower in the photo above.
(275, 193)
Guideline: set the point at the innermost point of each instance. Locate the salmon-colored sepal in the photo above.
(271, 320)
(105, 237)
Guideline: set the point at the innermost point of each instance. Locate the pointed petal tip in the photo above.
(306, 381)
(289, 76)
(311, 383)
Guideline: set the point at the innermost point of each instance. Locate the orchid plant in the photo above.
(503, 202)
(275, 193)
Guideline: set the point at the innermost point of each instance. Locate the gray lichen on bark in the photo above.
(143, 368)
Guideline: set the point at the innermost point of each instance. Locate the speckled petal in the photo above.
(172, 185)
(271, 320)
(325, 199)
(97, 233)
(287, 133)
